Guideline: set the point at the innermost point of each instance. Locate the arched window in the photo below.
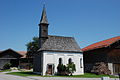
(60, 60)
(69, 60)
(81, 63)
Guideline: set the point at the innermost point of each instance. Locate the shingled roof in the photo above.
(22, 53)
(101, 44)
(60, 43)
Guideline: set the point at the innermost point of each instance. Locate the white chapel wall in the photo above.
(53, 58)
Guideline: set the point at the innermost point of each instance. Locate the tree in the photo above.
(71, 68)
(61, 69)
(32, 47)
(7, 66)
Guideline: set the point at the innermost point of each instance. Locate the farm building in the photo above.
(15, 58)
(107, 51)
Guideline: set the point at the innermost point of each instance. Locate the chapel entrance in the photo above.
(50, 69)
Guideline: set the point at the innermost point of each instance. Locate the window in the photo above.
(81, 63)
(69, 60)
(60, 61)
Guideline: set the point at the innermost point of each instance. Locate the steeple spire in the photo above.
(43, 28)
(44, 16)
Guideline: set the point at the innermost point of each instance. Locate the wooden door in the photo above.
(50, 69)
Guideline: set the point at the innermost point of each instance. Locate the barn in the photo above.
(12, 57)
(107, 51)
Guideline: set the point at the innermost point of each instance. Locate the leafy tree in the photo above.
(7, 66)
(32, 47)
(70, 68)
(61, 69)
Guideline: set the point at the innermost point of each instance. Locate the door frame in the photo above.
(52, 73)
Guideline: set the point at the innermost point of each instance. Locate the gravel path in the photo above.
(64, 78)
(4, 76)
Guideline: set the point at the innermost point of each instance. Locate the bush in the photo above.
(66, 70)
(61, 69)
(70, 68)
(7, 66)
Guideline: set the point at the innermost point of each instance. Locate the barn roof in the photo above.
(101, 44)
(22, 53)
(60, 43)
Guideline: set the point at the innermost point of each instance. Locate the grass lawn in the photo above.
(22, 73)
(7, 70)
(86, 75)
(90, 75)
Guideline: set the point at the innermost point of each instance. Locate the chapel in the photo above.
(54, 50)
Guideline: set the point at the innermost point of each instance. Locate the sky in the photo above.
(88, 21)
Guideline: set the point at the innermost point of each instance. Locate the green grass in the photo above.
(90, 75)
(86, 75)
(23, 73)
(7, 70)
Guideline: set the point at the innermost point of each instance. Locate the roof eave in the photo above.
(61, 51)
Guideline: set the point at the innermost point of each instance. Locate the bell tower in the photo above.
(43, 28)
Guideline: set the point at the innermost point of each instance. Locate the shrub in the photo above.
(61, 69)
(70, 68)
(66, 70)
(7, 66)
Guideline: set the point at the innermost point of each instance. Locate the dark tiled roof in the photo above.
(101, 44)
(22, 53)
(60, 43)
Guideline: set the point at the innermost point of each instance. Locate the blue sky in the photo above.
(89, 21)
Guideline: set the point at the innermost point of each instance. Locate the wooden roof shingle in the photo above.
(60, 43)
